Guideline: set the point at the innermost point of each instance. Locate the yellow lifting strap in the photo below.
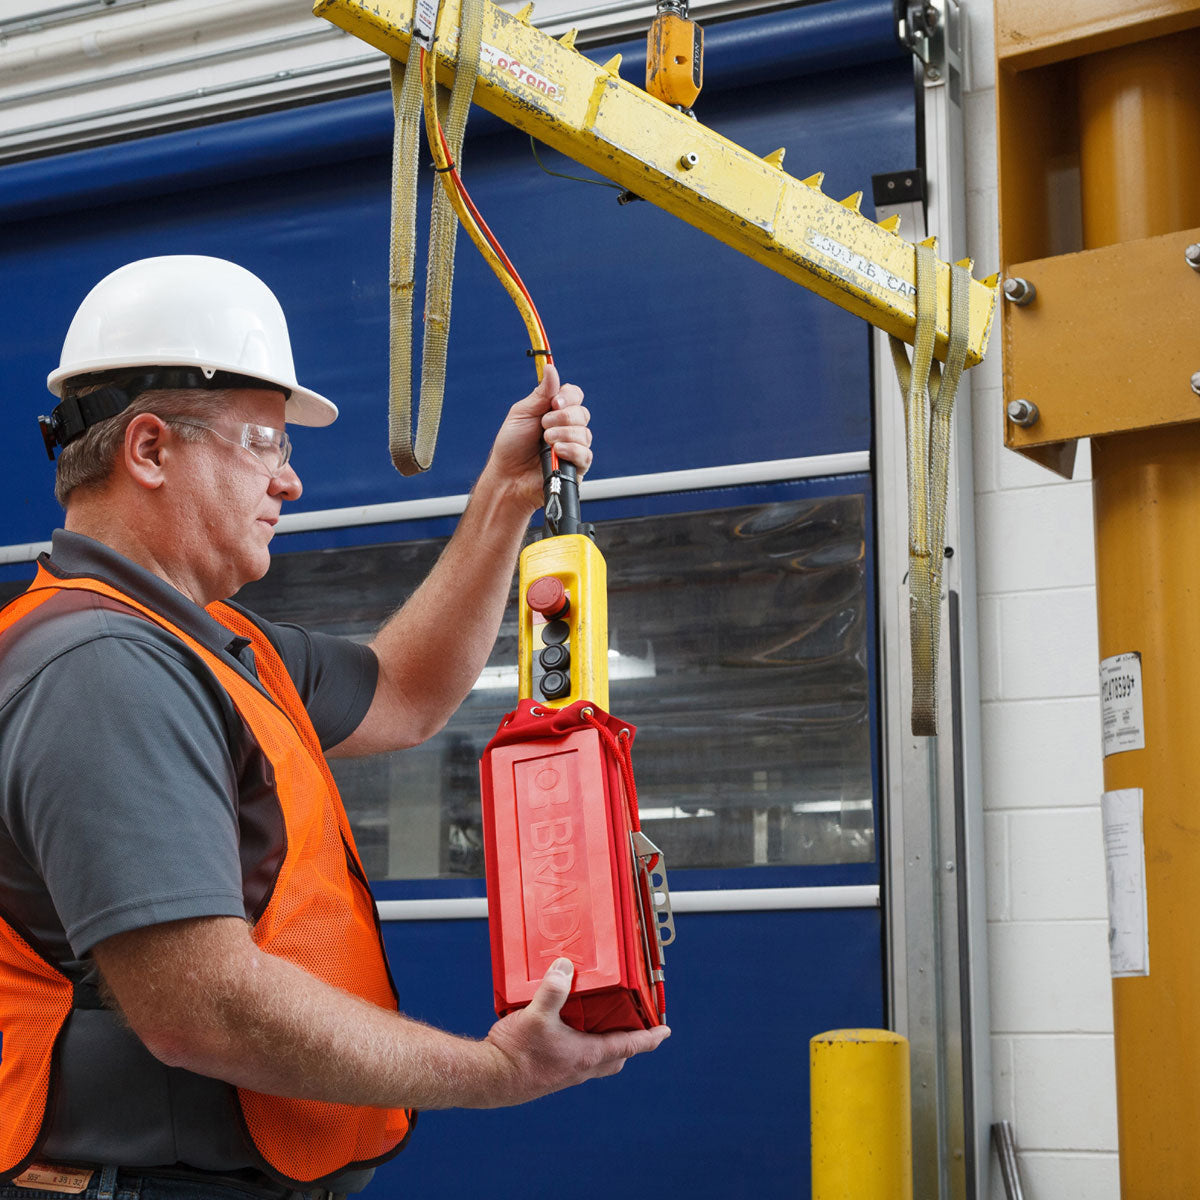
(929, 392)
(410, 459)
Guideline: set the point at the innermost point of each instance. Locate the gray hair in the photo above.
(90, 459)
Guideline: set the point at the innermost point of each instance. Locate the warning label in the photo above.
(425, 22)
(1125, 858)
(1121, 713)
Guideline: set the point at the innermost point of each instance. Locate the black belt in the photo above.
(253, 1183)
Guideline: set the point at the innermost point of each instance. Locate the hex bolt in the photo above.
(1019, 291)
(1192, 256)
(1023, 412)
(1196, 383)
(688, 161)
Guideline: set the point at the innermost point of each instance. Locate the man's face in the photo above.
(229, 502)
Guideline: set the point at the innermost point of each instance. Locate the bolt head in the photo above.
(1022, 412)
(1192, 256)
(1196, 383)
(1019, 291)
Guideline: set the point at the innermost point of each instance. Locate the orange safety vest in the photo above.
(320, 915)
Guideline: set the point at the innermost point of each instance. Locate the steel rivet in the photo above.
(1192, 256)
(1196, 383)
(688, 161)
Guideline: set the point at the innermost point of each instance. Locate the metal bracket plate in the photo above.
(1094, 368)
(645, 853)
(920, 27)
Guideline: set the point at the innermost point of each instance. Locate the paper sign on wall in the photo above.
(1121, 703)
(1125, 856)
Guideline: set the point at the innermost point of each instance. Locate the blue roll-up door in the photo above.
(691, 356)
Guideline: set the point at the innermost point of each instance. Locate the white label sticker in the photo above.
(1121, 703)
(549, 88)
(854, 264)
(425, 22)
(1125, 857)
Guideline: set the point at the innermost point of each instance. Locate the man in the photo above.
(192, 986)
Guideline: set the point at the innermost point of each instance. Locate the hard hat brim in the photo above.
(303, 407)
(309, 408)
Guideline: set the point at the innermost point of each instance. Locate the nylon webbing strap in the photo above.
(407, 457)
(406, 107)
(929, 393)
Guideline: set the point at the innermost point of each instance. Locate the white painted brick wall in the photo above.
(1051, 995)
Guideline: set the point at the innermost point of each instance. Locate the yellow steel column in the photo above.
(861, 1116)
(1139, 109)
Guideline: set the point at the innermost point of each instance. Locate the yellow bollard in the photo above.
(861, 1116)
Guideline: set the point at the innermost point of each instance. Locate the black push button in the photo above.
(555, 658)
(555, 684)
(554, 633)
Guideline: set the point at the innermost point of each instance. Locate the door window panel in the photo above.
(738, 647)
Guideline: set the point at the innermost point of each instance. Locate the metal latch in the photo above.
(652, 870)
(933, 31)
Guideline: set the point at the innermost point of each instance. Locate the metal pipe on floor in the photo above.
(1006, 1153)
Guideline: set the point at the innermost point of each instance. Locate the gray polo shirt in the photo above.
(131, 793)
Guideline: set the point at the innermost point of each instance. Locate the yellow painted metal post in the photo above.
(861, 1116)
(1139, 110)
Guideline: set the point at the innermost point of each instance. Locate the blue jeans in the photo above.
(113, 1183)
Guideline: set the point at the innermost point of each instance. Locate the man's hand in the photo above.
(545, 1055)
(553, 414)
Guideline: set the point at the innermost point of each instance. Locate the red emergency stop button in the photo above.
(548, 596)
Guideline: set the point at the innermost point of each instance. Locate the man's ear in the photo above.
(147, 438)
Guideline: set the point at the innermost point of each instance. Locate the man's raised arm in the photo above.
(432, 650)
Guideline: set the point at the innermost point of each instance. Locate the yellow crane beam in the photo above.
(586, 111)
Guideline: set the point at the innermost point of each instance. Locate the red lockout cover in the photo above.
(560, 866)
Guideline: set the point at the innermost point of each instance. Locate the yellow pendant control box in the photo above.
(562, 610)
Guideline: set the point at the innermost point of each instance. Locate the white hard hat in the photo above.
(187, 310)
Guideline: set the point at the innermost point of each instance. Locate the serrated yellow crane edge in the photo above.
(587, 112)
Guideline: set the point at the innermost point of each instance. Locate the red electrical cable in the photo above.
(494, 242)
(485, 229)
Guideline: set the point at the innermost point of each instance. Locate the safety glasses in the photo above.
(272, 447)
